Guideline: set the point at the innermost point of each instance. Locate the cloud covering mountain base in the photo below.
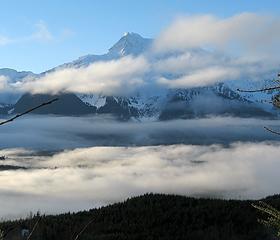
(50, 133)
(69, 168)
(89, 177)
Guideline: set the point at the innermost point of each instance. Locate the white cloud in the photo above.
(120, 76)
(241, 46)
(186, 61)
(88, 177)
(42, 33)
(202, 77)
(201, 68)
(3, 83)
(247, 33)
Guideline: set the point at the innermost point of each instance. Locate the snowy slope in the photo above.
(93, 99)
(221, 98)
(7, 98)
(129, 44)
(150, 106)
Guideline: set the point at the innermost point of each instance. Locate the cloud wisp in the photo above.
(88, 177)
(41, 34)
(201, 77)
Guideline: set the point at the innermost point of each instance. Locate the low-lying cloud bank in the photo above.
(47, 133)
(193, 51)
(89, 177)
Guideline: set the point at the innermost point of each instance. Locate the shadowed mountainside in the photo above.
(68, 104)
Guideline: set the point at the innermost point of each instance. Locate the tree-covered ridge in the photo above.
(156, 216)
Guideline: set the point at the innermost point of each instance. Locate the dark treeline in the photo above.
(156, 216)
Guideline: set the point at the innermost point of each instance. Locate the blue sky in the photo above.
(38, 35)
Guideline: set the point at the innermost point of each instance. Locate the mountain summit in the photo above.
(130, 44)
(149, 103)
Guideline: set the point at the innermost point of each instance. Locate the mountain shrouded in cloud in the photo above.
(109, 77)
(205, 50)
(194, 58)
(189, 130)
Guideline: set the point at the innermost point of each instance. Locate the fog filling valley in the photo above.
(73, 163)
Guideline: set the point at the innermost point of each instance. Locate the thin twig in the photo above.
(28, 111)
(83, 229)
(33, 229)
(272, 131)
(259, 90)
(8, 231)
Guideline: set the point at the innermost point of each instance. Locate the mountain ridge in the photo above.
(167, 104)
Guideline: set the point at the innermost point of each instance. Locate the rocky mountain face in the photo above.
(68, 104)
(218, 99)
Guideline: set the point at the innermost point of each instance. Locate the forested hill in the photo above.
(156, 216)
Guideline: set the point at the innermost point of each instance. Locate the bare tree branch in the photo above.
(275, 99)
(28, 111)
(83, 229)
(4, 234)
(259, 90)
(272, 131)
(33, 229)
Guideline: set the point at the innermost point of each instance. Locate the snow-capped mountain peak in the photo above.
(14, 75)
(163, 104)
(130, 44)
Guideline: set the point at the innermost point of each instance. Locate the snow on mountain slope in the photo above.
(93, 99)
(153, 103)
(262, 98)
(8, 97)
(129, 44)
(14, 75)
(150, 106)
